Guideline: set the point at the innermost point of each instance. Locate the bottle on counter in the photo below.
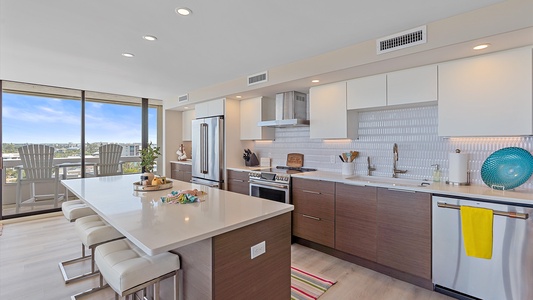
(436, 173)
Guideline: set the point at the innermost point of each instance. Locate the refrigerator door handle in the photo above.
(204, 130)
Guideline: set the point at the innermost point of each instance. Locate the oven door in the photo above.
(270, 190)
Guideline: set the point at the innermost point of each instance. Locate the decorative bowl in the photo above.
(507, 168)
(138, 186)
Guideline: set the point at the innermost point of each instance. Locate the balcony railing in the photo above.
(9, 184)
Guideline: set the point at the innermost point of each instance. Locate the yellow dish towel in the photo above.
(477, 231)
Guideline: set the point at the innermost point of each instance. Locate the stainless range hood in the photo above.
(291, 110)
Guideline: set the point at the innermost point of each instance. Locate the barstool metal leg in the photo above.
(75, 260)
(82, 258)
(93, 290)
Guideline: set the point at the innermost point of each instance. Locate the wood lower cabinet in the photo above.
(314, 210)
(356, 220)
(404, 231)
(182, 172)
(238, 182)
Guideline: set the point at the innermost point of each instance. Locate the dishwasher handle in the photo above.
(511, 214)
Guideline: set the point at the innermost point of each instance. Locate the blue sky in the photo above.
(31, 119)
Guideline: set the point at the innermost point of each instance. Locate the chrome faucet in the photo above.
(369, 168)
(395, 171)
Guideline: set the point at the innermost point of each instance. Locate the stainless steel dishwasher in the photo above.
(507, 275)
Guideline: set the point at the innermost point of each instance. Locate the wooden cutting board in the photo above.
(295, 160)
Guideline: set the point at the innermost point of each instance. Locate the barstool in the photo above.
(93, 231)
(76, 209)
(127, 269)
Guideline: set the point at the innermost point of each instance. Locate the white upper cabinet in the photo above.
(487, 95)
(186, 129)
(414, 85)
(210, 108)
(329, 117)
(410, 86)
(256, 110)
(367, 92)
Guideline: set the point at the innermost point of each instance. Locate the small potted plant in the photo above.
(149, 156)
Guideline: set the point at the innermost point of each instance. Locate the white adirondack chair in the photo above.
(37, 167)
(110, 163)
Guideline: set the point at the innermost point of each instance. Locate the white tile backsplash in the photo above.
(413, 129)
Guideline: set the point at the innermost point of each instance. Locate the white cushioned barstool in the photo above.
(127, 269)
(76, 209)
(93, 231)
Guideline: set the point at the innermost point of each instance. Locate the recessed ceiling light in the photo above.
(127, 54)
(186, 107)
(183, 11)
(481, 47)
(315, 81)
(149, 37)
(238, 97)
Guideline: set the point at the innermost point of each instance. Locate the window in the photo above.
(117, 123)
(34, 114)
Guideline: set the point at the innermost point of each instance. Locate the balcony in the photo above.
(131, 165)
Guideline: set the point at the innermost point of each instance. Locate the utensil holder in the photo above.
(348, 168)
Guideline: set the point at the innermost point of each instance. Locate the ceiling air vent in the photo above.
(257, 78)
(401, 40)
(183, 98)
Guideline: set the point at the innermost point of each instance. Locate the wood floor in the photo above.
(31, 250)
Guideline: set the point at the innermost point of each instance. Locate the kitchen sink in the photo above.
(389, 181)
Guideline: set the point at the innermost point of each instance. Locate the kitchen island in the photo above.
(213, 237)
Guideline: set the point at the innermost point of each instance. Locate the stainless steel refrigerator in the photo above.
(208, 151)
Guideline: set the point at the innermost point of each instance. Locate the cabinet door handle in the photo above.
(401, 190)
(311, 192)
(238, 180)
(311, 217)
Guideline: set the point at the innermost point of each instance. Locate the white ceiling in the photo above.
(78, 44)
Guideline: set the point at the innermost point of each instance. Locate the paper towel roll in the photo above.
(458, 168)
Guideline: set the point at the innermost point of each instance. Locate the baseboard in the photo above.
(31, 218)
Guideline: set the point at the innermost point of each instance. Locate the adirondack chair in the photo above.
(110, 163)
(37, 167)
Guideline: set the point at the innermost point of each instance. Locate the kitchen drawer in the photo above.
(241, 175)
(182, 172)
(324, 187)
(184, 167)
(314, 229)
(238, 182)
(314, 204)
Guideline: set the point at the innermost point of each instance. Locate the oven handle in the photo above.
(268, 184)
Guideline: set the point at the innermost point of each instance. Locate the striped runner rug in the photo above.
(305, 285)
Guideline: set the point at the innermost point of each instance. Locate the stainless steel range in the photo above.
(274, 184)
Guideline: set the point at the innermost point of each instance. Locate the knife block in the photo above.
(252, 162)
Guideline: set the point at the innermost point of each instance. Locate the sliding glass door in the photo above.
(51, 120)
(52, 116)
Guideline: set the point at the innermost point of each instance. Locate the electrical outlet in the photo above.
(332, 159)
(258, 249)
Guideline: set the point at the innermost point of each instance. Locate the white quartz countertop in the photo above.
(248, 169)
(183, 162)
(156, 227)
(518, 195)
